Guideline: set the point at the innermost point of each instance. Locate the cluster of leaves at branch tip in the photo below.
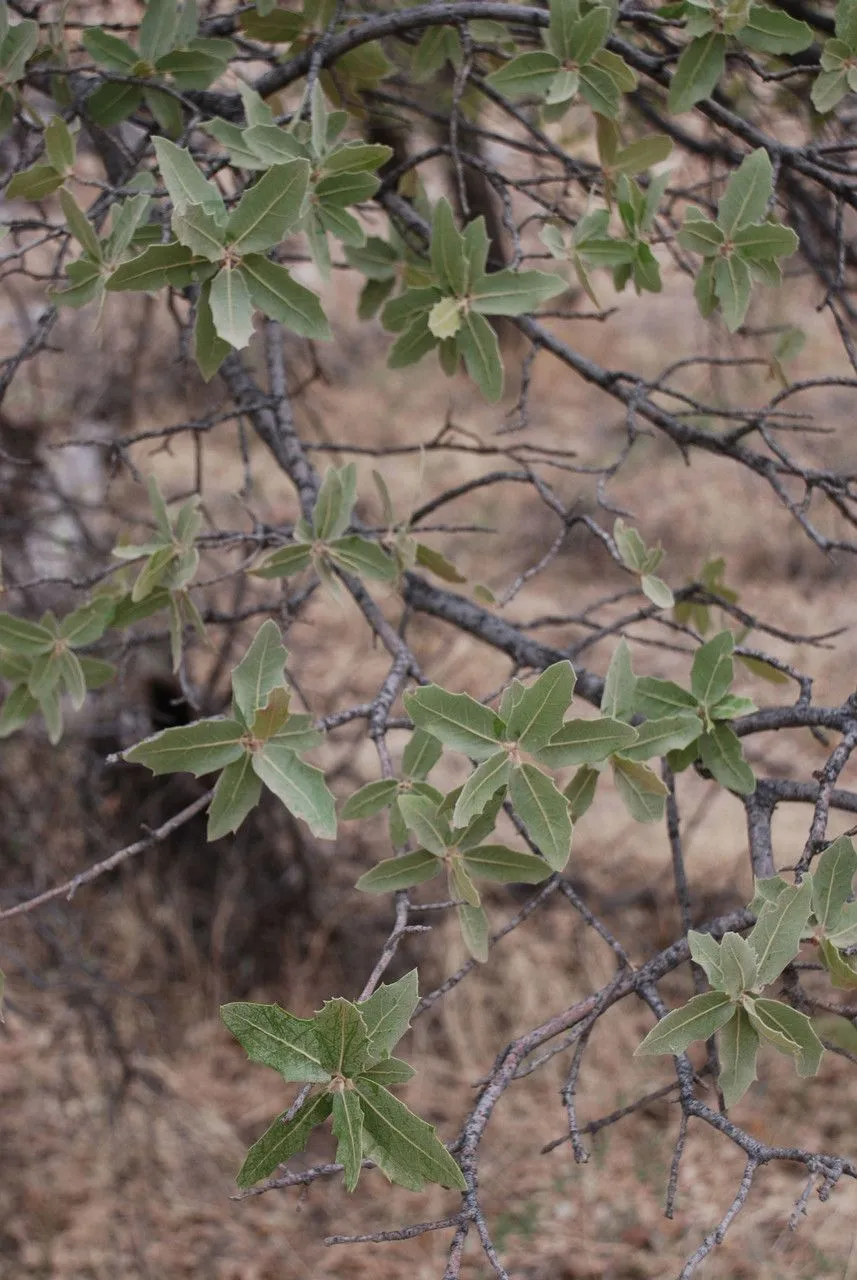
(643, 560)
(324, 543)
(344, 1052)
(744, 244)
(259, 743)
(819, 911)
(838, 60)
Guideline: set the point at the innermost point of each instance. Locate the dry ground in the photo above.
(125, 1106)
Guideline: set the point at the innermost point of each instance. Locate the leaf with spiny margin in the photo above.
(236, 794)
(617, 701)
(388, 1072)
(696, 1020)
(766, 891)
(787, 1030)
(474, 930)
(842, 969)
(481, 827)
(538, 712)
(152, 269)
(425, 821)
(270, 209)
(421, 754)
(197, 748)
(274, 292)
(231, 307)
(455, 719)
(387, 1014)
(706, 952)
(276, 1039)
(300, 786)
(738, 1047)
(747, 193)
(777, 933)
(411, 1151)
(370, 799)
(259, 671)
(832, 882)
(642, 791)
(343, 1041)
(668, 733)
(500, 865)
(184, 180)
(721, 753)
(479, 788)
(586, 742)
(283, 1140)
(196, 227)
(298, 734)
(738, 965)
(348, 1130)
(580, 792)
(543, 809)
(403, 872)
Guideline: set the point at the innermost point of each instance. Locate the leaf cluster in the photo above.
(344, 1052)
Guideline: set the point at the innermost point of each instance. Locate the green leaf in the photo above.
(474, 930)
(479, 788)
(198, 748)
(478, 344)
(842, 970)
(270, 721)
(600, 90)
(697, 72)
(283, 1140)
(777, 933)
(275, 293)
(659, 698)
(587, 742)
(151, 269)
(339, 190)
(110, 51)
(363, 557)
(642, 154)
(537, 714)
(588, 35)
(711, 673)
(35, 183)
(730, 707)
(544, 812)
(421, 754)
(772, 31)
(300, 786)
(71, 674)
(501, 865)
(208, 348)
(564, 17)
(738, 1046)
(513, 293)
(19, 44)
(460, 884)
(270, 209)
(642, 791)
(184, 180)
(528, 75)
(400, 873)
(356, 157)
(455, 719)
(620, 682)
(738, 965)
(832, 882)
(284, 562)
(276, 1039)
(706, 952)
(747, 193)
(348, 1129)
(412, 1152)
(236, 794)
(700, 235)
(80, 226)
(59, 144)
(656, 590)
(697, 1020)
(845, 933)
(96, 673)
(721, 753)
(231, 307)
(370, 799)
(335, 502)
(197, 227)
(387, 1014)
(828, 89)
(18, 706)
(412, 345)
(437, 564)
(423, 818)
(88, 623)
(259, 671)
(669, 733)
(389, 1072)
(765, 241)
(733, 286)
(789, 1031)
(342, 1038)
(158, 28)
(580, 792)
